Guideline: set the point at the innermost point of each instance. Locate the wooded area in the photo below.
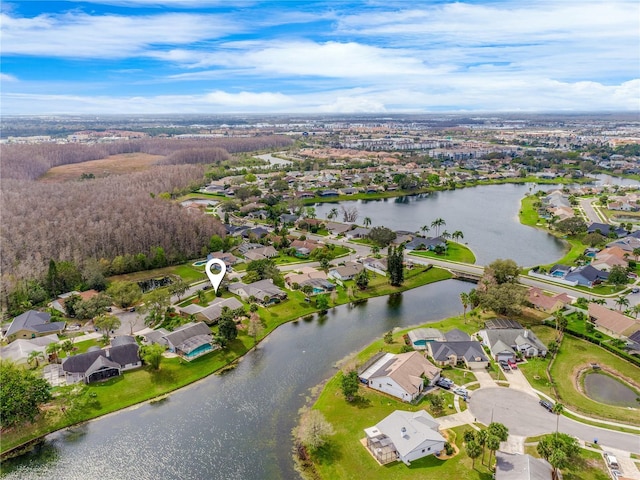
(94, 221)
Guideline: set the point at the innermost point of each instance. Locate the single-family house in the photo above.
(456, 335)
(32, 324)
(421, 336)
(506, 343)
(59, 302)
(359, 232)
(612, 322)
(517, 466)
(587, 276)
(469, 353)
(305, 247)
(606, 230)
(628, 244)
(261, 253)
(288, 219)
(559, 270)
(376, 265)
(263, 290)
(190, 340)
(402, 376)
(316, 279)
(336, 228)
(228, 258)
(547, 303)
(404, 436)
(101, 364)
(18, 351)
(425, 243)
(211, 313)
(347, 272)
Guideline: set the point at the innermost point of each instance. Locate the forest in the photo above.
(90, 223)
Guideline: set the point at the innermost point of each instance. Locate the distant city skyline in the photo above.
(227, 56)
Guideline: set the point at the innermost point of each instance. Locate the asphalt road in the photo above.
(521, 413)
(589, 211)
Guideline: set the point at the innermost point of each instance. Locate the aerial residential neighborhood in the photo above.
(467, 343)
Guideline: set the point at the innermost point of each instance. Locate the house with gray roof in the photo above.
(468, 352)
(404, 436)
(457, 335)
(32, 324)
(506, 343)
(18, 351)
(189, 341)
(263, 290)
(425, 243)
(347, 272)
(211, 313)
(516, 466)
(101, 364)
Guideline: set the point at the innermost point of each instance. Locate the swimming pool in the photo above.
(200, 263)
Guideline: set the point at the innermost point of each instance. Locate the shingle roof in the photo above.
(187, 331)
(457, 335)
(122, 340)
(27, 321)
(125, 354)
(521, 467)
(470, 350)
(611, 320)
(99, 363)
(406, 369)
(81, 362)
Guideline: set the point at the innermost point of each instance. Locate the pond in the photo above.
(606, 389)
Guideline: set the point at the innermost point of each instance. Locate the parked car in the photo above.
(512, 364)
(612, 461)
(444, 383)
(616, 474)
(547, 405)
(463, 392)
(635, 290)
(132, 309)
(504, 365)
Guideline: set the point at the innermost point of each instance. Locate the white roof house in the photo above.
(404, 436)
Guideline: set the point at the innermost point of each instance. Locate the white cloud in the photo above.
(107, 36)
(469, 94)
(5, 77)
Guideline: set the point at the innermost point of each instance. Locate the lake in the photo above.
(238, 425)
(605, 389)
(486, 215)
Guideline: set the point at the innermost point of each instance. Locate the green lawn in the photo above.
(574, 354)
(187, 271)
(528, 213)
(456, 252)
(345, 458)
(458, 375)
(589, 465)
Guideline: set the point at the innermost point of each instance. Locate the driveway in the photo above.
(522, 414)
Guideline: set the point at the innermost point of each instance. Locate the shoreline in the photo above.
(7, 454)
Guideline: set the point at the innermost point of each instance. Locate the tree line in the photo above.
(110, 224)
(29, 162)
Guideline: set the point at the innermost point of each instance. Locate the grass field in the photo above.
(345, 458)
(575, 354)
(113, 165)
(589, 465)
(456, 252)
(187, 271)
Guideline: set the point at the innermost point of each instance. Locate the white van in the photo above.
(611, 461)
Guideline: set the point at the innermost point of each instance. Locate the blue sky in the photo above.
(227, 56)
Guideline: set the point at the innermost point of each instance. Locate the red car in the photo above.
(512, 364)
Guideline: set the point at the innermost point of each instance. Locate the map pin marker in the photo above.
(215, 278)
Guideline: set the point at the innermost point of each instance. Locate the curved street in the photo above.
(522, 414)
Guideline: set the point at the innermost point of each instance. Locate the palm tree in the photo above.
(636, 253)
(333, 213)
(493, 444)
(621, 302)
(636, 310)
(53, 349)
(558, 408)
(67, 346)
(437, 223)
(466, 300)
(366, 221)
(457, 235)
(425, 228)
(35, 356)
(473, 451)
(481, 438)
